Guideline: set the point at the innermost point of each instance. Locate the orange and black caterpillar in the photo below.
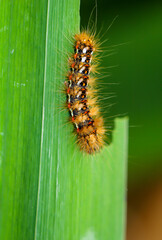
(81, 98)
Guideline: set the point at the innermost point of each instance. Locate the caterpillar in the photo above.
(82, 101)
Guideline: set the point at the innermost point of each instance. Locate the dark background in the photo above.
(137, 34)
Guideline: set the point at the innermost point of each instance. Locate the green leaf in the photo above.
(49, 189)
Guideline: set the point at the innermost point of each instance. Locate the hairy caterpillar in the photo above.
(81, 96)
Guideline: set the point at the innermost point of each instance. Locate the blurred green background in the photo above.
(138, 59)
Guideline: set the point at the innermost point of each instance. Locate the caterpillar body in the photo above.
(82, 101)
